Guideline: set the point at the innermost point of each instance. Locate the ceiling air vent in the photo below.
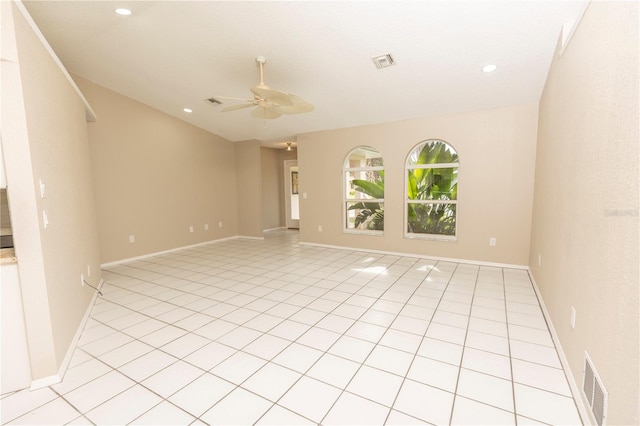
(384, 61)
(213, 101)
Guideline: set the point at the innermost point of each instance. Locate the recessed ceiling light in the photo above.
(489, 68)
(189, 110)
(122, 11)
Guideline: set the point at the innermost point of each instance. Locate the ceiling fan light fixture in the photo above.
(288, 146)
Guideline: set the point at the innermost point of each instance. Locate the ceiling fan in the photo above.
(270, 103)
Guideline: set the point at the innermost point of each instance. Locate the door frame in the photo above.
(289, 223)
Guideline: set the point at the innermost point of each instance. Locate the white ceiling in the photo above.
(174, 54)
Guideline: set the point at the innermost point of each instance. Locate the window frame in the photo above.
(407, 201)
(345, 196)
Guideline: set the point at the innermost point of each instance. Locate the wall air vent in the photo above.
(384, 61)
(213, 101)
(595, 392)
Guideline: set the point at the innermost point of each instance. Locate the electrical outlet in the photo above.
(492, 241)
(191, 229)
(319, 228)
(206, 226)
(220, 224)
(45, 219)
(82, 279)
(132, 238)
(573, 317)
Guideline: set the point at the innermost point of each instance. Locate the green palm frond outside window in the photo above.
(432, 189)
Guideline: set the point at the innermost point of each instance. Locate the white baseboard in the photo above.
(45, 381)
(57, 378)
(146, 256)
(274, 229)
(420, 256)
(584, 413)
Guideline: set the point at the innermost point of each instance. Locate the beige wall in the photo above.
(44, 137)
(272, 201)
(273, 209)
(155, 176)
(497, 155)
(249, 188)
(585, 217)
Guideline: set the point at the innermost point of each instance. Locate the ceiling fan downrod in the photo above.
(261, 60)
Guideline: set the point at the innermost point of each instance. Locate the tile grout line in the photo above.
(513, 386)
(344, 389)
(464, 346)
(326, 351)
(404, 379)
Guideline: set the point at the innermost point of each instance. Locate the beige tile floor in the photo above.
(248, 331)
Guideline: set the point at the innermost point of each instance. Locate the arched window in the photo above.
(432, 191)
(363, 183)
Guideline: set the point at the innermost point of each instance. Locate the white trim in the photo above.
(576, 392)
(433, 166)
(431, 237)
(422, 256)
(89, 112)
(569, 28)
(356, 231)
(434, 201)
(363, 169)
(57, 378)
(364, 200)
(45, 381)
(274, 229)
(145, 256)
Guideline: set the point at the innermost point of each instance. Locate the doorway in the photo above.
(291, 200)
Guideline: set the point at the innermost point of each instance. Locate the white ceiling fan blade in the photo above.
(266, 112)
(275, 96)
(270, 103)
(234, 99)
(299, 106)
(236, 107)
